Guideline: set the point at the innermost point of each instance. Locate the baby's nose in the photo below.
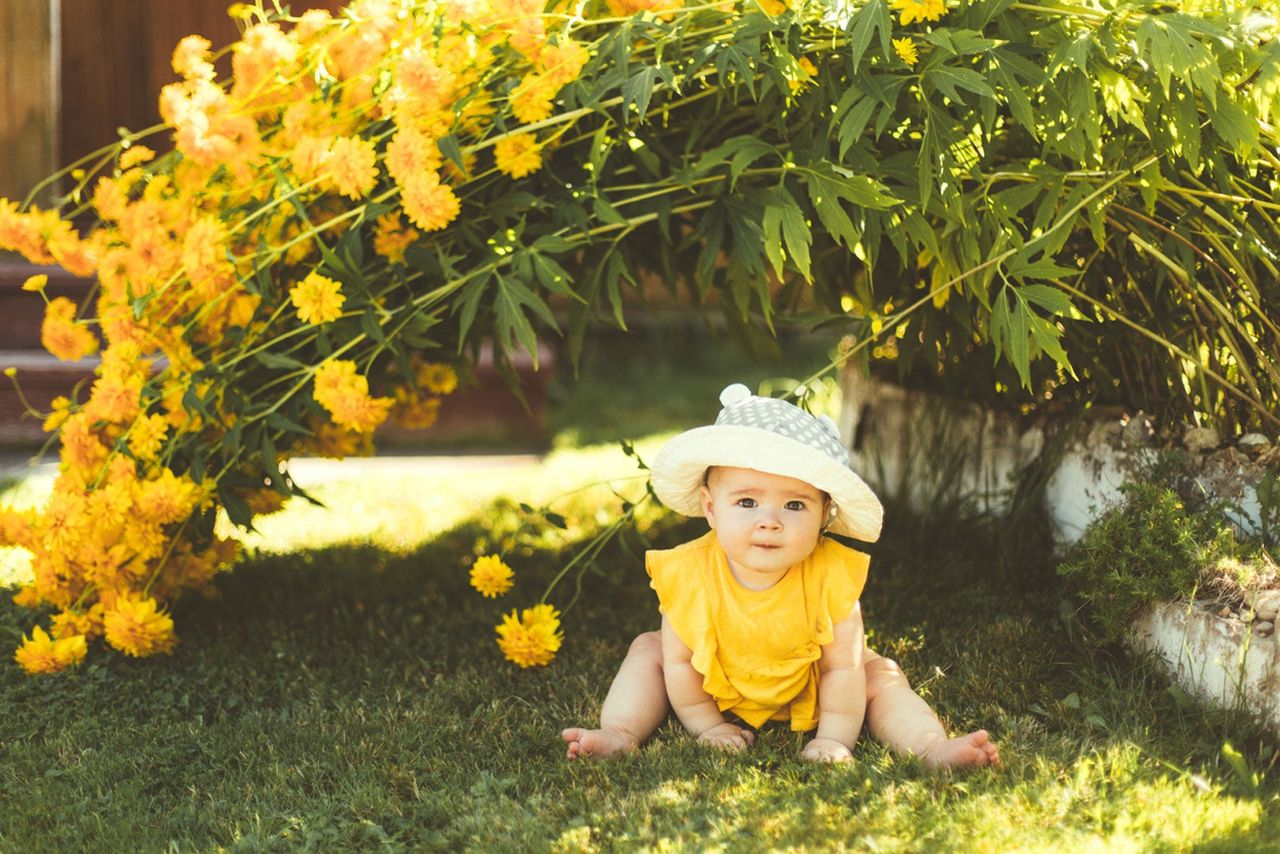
(769, 519)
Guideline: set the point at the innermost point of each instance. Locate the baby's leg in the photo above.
(635, 706)
(899, 718)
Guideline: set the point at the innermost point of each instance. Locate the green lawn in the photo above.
(345, 692)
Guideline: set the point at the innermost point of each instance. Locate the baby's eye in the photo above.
(794, 505)
(748, 503)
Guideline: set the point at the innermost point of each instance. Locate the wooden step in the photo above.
(21, 312)
(483, 414)
(42, 378)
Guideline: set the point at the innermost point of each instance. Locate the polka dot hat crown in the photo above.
(771, 436)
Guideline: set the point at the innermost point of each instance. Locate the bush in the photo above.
(1149, 548)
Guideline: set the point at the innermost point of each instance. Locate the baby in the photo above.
(760, 616)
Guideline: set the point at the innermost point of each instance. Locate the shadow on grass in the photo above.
(348, 697)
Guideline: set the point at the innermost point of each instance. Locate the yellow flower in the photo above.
(339, 389)
(517, 155)
(59, 411)
(191, 58)
(562, 62)
(906, 50)
(437, 378)
(62, 336)
(318, 299)
(35, 283)
(353, 166)
(308, 157)
(147, 435)
(531, 99)
(135, 155)
(137, 627)
(491, 576)
(918, 10)
(410, 154)
(15, 527)
(414, 412)
(429, 204)
(115, 398)
(41, 654)
(68, 624)
(533, 639)
(167, 498)
(391, 237)
(418, 77)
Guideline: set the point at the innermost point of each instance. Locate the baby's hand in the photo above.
(727, 736)
(826, 750)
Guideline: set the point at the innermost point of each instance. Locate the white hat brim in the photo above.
(680, 466)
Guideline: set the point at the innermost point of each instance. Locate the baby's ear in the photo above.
(706, 506)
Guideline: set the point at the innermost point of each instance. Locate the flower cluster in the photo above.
(528, 638)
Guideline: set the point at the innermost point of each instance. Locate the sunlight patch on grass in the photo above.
(398, 507)
(24, 492)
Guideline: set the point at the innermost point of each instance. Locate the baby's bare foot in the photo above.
(598, 743)
(974, 750)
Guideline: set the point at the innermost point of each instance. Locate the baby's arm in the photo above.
(842, 693)
(692, 704)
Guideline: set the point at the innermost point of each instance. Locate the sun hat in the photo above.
(772, 436)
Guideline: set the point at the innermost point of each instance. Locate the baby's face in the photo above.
(766, 523)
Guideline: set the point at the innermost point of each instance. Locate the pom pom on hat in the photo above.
(735, 393)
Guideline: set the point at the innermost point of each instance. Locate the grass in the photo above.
(345, 693)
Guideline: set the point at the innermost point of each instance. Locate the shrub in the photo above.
(1146, 549)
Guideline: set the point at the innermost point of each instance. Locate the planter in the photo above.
(1222, 661)
(923, 448)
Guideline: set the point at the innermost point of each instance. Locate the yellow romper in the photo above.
(757, 650)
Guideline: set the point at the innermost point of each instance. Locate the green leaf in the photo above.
(554, 277)
(469, 306)
(1237, 128)
(740, 151)
(277, 361)
(854, 123)
(960, 42)
(286, 425)
(270, 468)
(833, 217)
(948, 78)
(1122, 98)
(861, 190)
(237, 510)
(871, 18)
(1186, 125)
(370, 326)
(607, 213)
(510, 304)
(1014, 76)
(449, 147)
(1043, 269)
(1049, 298)
(1020, 341)
(1046, 335)
(784, 224)
(637, 91)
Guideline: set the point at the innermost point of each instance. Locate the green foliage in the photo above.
(1147, 549)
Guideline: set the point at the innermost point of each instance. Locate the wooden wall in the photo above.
(115, 59)
(28, 89)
